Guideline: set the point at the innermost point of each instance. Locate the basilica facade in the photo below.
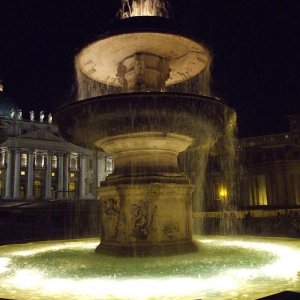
(36, 163)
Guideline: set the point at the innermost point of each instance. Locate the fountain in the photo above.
(146, 204)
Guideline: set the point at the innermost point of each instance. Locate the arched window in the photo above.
(2, 158)
(73, 162)
(39, 160)
(24, 160)
(54, 162)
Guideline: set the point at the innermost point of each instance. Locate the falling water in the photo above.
(135, 8)
(194, 161)
(88, 88)
(228, 167)
(198, 85)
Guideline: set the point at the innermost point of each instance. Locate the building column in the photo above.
(60, 183)
(66, 176)
(17, 175)
(48, 177)
(82, 185)
(100, 171)
(8, 175)
(30, 176)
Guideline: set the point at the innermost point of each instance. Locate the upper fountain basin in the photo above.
(101, 59)
(88, 122)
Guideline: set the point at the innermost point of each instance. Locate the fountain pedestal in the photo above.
(146, 204)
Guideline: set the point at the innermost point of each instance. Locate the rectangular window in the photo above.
(297, 188)
(37, 189)
(2, 159)
(219, 192)
(109, 164)
(38, 174)
(1, 188)
(216, 188)
(72, 186)
(90, 164)
(259, 190)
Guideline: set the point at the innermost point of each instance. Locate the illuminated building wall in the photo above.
(36, 163)
(270, 174)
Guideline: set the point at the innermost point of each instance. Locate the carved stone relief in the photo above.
(140, 220)
(111, 215)
(171, 230)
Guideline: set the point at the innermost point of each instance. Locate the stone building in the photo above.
(272, 168)
(268, 173)
(36, 163)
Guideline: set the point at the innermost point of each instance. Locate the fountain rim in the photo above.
(175, 112)
(140, 24)
(108, 97)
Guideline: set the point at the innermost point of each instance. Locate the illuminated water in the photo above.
(224, 268)
(136, 8)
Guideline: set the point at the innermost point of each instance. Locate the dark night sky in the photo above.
(255, 44)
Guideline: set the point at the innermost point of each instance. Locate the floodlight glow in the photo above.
(27, 280)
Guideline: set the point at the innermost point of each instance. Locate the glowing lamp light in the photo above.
(223, 192)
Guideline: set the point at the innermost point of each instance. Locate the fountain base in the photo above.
(146, 219)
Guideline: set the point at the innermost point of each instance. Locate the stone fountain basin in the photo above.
(99, 59)
(240, 267)
(88, 122)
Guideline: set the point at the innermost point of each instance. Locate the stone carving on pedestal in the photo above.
(140, 220)
(111, 215)
(171, 230)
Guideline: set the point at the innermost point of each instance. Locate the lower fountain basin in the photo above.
(223, 268)
(88, 122)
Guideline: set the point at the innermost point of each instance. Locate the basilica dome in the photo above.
(6, 105)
